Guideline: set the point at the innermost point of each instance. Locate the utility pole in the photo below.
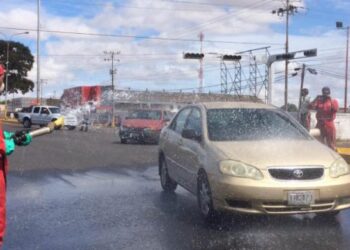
(340, 26)
(301, 84)
(200, 57)
(111, 57)
(288, 10)
(38, 54)
(201, 38)
(42, 82)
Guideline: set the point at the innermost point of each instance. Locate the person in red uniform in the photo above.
(8, 141)
(326, 109)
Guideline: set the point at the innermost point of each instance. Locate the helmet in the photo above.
(305, 91)
(326, 91)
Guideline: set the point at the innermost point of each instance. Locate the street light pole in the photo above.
(346, 70)
(7, 73)
(38, 54)
(339, 25)
(286, 62)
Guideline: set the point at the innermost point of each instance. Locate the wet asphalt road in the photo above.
(120, 205)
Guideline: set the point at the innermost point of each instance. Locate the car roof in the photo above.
(44, 106)
(242, 105)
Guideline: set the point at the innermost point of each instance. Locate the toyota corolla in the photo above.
(251, 158)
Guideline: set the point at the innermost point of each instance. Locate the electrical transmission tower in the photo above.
(242, 80)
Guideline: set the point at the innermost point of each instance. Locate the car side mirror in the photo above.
(191, 134)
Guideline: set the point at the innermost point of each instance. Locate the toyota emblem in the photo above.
(298, 173)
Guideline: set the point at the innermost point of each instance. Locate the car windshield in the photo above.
(251, 124)
(145, 115)
(54, 110)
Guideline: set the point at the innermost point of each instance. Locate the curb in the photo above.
(11, 121)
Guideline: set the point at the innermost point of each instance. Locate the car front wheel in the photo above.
(168, 184)
(204, 198)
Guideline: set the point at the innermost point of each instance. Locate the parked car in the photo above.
(251, 158)
(38, 115)
(143, 125)
(71, 120)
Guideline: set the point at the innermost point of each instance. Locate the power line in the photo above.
(133, 36)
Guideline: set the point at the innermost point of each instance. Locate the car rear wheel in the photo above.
(27, 123)
(204, 198)
(168, 184)
(123, 141)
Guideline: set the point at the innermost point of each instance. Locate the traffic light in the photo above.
(311, 52)
(193, 55)
(231, 57)
(339, 25)
(288, 56)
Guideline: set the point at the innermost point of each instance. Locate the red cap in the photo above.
(2, 70)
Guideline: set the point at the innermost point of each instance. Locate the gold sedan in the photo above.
(251, 158)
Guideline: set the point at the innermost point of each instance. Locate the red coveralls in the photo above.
(325, 115)
(3, 172)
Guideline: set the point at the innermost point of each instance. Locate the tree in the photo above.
(20, 63)
(290, 108)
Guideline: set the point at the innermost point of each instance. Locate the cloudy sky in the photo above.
(150, 36)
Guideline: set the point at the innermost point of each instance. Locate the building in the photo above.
(124, 100)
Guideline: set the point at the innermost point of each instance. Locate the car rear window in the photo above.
(252, 124)
(145, 115)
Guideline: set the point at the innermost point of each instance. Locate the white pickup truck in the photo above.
(38, 115)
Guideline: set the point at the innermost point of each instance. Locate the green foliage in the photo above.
(20, 63)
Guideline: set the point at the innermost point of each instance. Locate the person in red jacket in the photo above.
(8, 141)
(326, 109)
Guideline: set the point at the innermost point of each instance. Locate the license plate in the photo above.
(300, 198)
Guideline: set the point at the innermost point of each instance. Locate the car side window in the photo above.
(194, 121)
(45, 111)
(167, 116)
(179, 123)
(36, 110)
